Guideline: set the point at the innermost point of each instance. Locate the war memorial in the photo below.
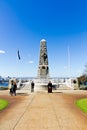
(43, 74)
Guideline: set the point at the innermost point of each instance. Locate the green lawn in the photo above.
(3, 104)
(82, 104)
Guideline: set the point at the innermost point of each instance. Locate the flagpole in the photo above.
(69, 60)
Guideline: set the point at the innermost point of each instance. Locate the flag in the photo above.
(19, 55)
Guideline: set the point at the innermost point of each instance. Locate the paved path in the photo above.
(43, 111)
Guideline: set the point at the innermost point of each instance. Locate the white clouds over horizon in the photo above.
(2, 52)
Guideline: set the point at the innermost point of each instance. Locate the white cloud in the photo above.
(65, 67)
(2, 52)
(31, 62)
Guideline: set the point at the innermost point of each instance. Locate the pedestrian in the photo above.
(11, 89)
(14, 88)
(49, 87)
(32, 86)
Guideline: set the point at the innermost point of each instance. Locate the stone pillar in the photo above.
(43, 68)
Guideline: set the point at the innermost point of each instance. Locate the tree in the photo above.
(83, 78)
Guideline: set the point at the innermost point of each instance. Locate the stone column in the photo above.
(43, 68)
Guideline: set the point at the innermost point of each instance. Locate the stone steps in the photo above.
(64, 87)
(39, 88)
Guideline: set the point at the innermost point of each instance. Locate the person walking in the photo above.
(14, 88)
(11, 89)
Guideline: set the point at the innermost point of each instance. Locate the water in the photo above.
(4, 84)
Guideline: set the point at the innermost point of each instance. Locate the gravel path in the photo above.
(43, 111)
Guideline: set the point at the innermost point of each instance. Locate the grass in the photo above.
(4, 88)
(3, 104)
(82, 104)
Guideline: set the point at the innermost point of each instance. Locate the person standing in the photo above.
(32, 86)
(49, 87)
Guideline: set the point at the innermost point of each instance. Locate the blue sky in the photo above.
(63, 24)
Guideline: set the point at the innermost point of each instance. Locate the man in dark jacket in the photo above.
(32, 86)
(49, 87)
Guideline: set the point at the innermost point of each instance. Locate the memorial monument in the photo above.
(42, 79)
(43, 68)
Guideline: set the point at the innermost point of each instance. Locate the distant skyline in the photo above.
(63, 24)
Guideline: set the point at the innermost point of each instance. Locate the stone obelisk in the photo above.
(43, 68)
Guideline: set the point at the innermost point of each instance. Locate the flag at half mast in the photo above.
(18, 55)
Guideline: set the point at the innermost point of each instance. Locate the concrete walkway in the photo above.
(44, 111)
